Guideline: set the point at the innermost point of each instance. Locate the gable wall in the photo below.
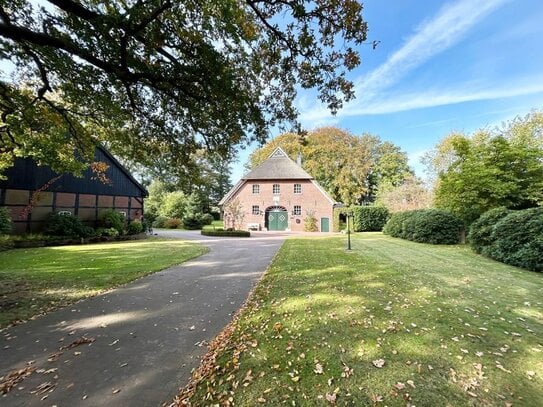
(311, 198)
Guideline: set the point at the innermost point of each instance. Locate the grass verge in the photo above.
(33, 281)
(391, 323)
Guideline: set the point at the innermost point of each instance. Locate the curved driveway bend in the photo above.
(148, 334)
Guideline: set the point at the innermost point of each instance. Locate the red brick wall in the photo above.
(310, 199)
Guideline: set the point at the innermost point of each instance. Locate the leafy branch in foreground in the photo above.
(155, 77)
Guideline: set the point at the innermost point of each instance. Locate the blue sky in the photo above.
(441, 66)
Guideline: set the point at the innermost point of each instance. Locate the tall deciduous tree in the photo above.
(349, 167)
(155, 77)
(492, 169)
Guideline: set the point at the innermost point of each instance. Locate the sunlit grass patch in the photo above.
(391, 323)
(35, 280)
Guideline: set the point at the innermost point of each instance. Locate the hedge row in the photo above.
(365, 218)
(226, 233)
(512, 237)
(5, 221)
(425, 226)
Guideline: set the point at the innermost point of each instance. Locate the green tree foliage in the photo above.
(348, 167)
(409, 195)
(157, 77)
(480, 231)
(157, 190)
(173, 205)
(491, 169)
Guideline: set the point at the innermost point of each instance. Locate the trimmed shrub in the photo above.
(394, 226)
(369, 218)
(425, 226)
(207, 219)
(66, 225)
(113, 219)
(172, 223)
(192, 222)
(517, 239)
(480, 231)
(160, 222)
(134, 228)
(226, 233)
(5, 221)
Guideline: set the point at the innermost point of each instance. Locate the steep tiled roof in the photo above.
(277, 166)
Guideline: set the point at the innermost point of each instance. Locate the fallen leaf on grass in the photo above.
(116, 391)
(399, 386)
(378, 363)
(331, 398)
(318, 368)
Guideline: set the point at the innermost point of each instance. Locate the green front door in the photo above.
(325, 225)
(277, 220)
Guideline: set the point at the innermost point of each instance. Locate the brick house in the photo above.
(279, 195)
(84, 197)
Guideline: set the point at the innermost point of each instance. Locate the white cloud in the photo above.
(448, 26)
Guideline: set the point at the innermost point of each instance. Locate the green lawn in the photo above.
(33, 281)
(392, 323)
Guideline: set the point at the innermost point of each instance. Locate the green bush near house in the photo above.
(134, 228)
(432, 226)
(113, 219)
(369, 218)
(5, 221)
(159, 222)
(172, 223)
(226, 233)
(66, 225)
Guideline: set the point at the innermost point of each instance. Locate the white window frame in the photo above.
(297, 188)
(256, 189)
(276, 187)
(64, 213)
(297, 211)
(256, 210)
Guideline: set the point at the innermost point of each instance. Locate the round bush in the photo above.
(425, 226)
(192, 222)
(518, 239)
(160, 222)
(113, 219)
(480, 231)
(207, 219)
(369, 218)
(134, 228)
(65, 225)
(433, 226)
(5, 221)
(394, 226)
(172, 223)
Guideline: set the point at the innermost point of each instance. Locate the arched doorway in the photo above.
(276, 218)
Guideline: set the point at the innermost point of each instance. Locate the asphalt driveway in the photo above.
(135, 345)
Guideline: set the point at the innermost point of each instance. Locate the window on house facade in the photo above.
(256, 189)
(256, 210)
(297, 188)
(276, 189)
(65, 213)
(297, 210)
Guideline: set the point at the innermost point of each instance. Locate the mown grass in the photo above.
(36, 280)
(453, 329)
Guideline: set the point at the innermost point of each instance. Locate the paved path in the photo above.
(146, 332)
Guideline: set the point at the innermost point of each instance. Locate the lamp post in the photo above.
(349, 215)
